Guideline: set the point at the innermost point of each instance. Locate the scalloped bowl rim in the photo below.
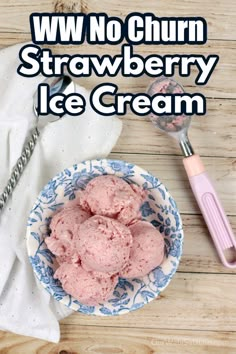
(102, 310)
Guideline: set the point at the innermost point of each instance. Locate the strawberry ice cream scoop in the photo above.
(168, 123)
(113, 197)
(147, 251)
(104, 244)
(83, 285)
(64, 227)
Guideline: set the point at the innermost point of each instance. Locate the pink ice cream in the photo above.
(104, 244)
(165, 85)
(64, 231)
(147, 251)
(93, 250)
(83, 285)
(168, 123)
(113, 197)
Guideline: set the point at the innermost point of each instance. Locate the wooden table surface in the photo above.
(197, 312)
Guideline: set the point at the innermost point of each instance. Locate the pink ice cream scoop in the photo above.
(113, 197)
(84, 286)
(64, 227)
(147, 251)
(202, 187)
(104, 244)
(170, 123)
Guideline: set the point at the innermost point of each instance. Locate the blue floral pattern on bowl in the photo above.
(159, 208)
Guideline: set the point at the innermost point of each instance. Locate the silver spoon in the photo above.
(204, 192)
(63, 85)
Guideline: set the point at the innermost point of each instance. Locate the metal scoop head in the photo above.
(174, 125)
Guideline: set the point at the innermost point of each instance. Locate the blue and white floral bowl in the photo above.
(160, 209)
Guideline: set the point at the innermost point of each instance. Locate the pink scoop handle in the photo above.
(211, 208)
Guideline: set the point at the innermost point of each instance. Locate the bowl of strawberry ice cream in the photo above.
(104, 238)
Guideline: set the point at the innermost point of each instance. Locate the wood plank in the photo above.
(84, 339)
(219, 85)
(199, 253)
(191, 301)
(14, 15)
(211, 135)
(171, 172)
(8, 39)
(198, 309)
(221, 17)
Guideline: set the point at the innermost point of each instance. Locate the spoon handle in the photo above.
(19, 167)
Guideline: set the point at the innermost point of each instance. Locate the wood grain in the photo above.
(14, 15)
(208, 133)
(199, 253)
(102, 340)
(220, 85)
(169, 169)
(221, 17)
(197, 312)
(191, 301)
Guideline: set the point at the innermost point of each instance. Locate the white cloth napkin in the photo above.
(25, 307)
